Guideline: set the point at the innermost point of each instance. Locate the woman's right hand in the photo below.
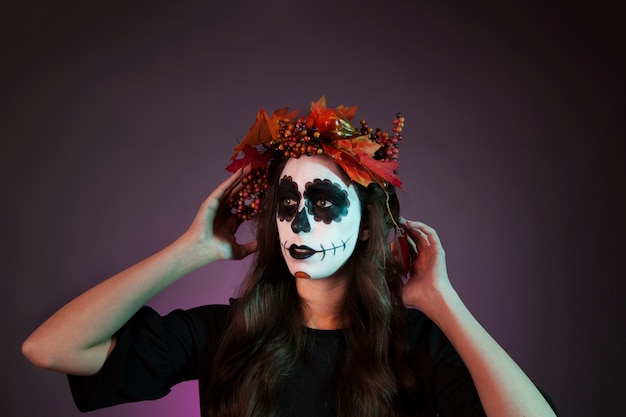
(214, 226)
(78, 338)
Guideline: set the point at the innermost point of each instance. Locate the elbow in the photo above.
(47, 353)
(37, 353)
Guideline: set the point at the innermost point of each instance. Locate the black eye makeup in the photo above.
(326, 201)
(288, 199)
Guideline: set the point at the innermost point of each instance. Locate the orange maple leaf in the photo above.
(263, 130)
(349, 164)
(361, 144)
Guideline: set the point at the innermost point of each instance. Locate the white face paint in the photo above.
(318, 217)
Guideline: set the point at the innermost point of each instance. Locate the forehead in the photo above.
(307, 168)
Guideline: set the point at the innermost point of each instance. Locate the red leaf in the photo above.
(382, 169)
(402, 251)
(249, 155)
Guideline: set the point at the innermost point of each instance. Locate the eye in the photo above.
(289, 202)
(322, 203)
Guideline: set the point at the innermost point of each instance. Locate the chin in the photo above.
(312, 271)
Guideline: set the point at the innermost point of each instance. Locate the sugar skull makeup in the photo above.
(318, 217)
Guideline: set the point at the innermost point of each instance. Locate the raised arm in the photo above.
(78, 338)
(503, 388)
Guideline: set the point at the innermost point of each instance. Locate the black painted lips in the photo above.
(301, 252)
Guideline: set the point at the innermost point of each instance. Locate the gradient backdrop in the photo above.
(118, 118)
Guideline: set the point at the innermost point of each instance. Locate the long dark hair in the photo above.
(266, 335)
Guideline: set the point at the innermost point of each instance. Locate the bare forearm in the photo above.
(78, 337)
(504, 389)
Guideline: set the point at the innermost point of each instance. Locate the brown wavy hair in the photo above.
(266, 335)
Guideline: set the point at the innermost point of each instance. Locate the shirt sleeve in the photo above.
(152, 354)
(446, 383)
(446, 386)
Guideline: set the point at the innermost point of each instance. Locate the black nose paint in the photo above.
(301, 223)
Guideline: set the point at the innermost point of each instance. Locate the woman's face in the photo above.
(318, 217)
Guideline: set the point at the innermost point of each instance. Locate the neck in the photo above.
(323, 301)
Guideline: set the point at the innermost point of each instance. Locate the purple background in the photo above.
(118, 118)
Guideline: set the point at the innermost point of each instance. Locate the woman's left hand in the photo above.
(504, 389)
(428, 281)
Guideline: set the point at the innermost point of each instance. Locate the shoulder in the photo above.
(208, 319)
(208, 313)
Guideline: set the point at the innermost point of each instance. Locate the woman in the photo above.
(321, 326)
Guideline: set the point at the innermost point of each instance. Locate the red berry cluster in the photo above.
(389, 143)
(247, 202)
(296, 140)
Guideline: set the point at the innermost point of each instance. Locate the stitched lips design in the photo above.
(301, 252)
(304, 252)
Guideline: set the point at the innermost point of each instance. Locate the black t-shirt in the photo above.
(154, 353)
(310, 390)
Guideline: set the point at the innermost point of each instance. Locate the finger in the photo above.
(409, 240)
(222, 192)
(249, 248)
(419, 237)
(228, 223)
(233, 184)
(246, 249)
(431, 233)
